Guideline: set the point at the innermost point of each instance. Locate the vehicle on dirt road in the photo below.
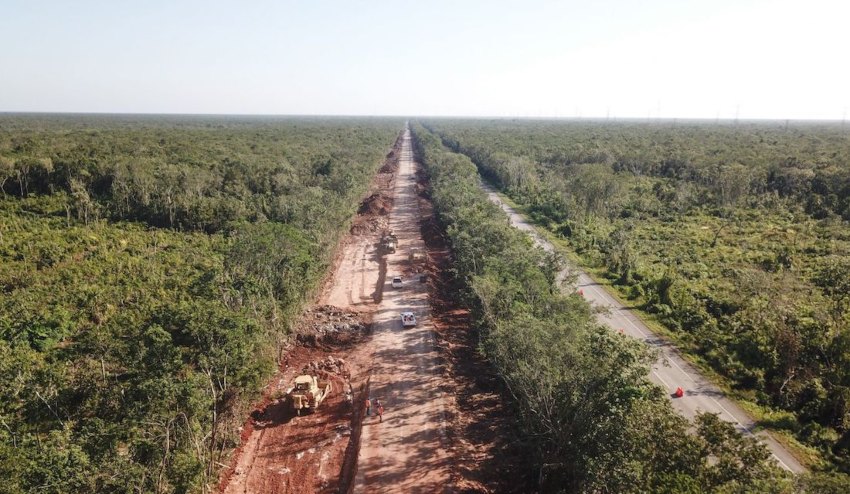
(389, 242)
(415, 255)
(308, 393)
(397, 283)
(408, 320)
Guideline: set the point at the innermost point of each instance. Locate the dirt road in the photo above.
(358, 280)
(407, 451)
(671, 370)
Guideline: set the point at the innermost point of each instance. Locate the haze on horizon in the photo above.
(660, 58)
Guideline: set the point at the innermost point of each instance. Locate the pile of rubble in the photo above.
(328, 321)
(369, 224)
(331, 365)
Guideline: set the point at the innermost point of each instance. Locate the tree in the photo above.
(738, 460)
(81, 201)
(620, 256)
(7, 171)
(833, 277)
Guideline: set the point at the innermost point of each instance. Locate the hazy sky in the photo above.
(676, 58)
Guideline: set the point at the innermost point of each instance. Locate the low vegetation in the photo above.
(150, 268)
(592, 420)
(735, 237)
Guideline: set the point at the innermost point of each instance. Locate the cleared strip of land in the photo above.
(406, 451)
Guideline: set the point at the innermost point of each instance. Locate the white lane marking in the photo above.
(656, 374)
(781, 463)
(672, 361)
(622, 313)
(749, 432)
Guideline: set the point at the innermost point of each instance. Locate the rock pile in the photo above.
(328, 322)
(332, 365)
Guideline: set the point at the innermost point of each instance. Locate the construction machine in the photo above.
(389, 242)
(415, 255)
(308, 393)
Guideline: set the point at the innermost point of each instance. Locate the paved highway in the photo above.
(670, 371)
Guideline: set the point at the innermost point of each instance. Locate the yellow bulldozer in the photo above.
(308, 393)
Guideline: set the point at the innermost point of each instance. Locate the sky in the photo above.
(531, 58)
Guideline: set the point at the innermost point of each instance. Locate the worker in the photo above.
(380, 410)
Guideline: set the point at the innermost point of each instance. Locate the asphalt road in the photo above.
(671, 370)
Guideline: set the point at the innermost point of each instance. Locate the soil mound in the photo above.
(391, 163)
(389, 167)
(377, 203)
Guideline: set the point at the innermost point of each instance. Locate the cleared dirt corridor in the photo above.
(407, 451)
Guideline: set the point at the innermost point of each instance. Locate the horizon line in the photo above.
(409, 116)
